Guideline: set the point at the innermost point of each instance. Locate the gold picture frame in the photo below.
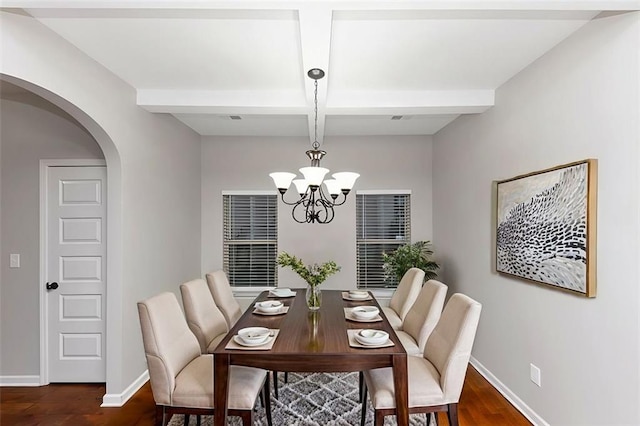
(546, 227)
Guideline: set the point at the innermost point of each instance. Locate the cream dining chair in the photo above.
(420, 321)
(435, 379)
(203, 316)
(223, 297)
(404, 297)
(422, 317)
(181, 377)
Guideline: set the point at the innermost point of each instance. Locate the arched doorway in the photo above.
(113, 214)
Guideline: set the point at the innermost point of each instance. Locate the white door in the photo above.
(75, 273)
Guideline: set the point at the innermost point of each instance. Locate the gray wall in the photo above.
(580, 100)
(384, 162)
(31, 129)
(153, 169)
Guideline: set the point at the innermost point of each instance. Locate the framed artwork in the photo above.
(546, 227)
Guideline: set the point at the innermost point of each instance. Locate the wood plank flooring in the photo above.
(79, 404)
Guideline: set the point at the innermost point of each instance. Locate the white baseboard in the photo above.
(520, 405)
(20, 381)
(119, 399)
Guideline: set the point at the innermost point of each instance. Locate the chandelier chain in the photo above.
(315, 143)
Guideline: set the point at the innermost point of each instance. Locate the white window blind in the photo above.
(383, 223)
(250, 239)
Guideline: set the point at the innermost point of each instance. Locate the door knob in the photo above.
(52, 286)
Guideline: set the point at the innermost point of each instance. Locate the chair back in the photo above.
(169, 345)
(223, 296)
(203, 316)
(425, 312)
(407, 292)
(449, 345)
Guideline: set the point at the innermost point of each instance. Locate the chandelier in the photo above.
(313, 204)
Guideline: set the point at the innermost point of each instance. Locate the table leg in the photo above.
(401, 386)
(220, 388)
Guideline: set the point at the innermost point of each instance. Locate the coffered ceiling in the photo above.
(392, 67)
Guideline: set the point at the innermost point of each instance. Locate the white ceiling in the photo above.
(428, 61)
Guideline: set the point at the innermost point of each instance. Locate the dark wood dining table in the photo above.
(311, 342)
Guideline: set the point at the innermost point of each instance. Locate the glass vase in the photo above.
(314, 297)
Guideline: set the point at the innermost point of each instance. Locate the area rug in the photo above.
(313, 399)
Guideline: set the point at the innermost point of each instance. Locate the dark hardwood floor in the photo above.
(79, 404)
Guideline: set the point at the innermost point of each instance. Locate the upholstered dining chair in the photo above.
(181, 377)
(203, 316)
(223, 296)
(422, 317)
(435, 379)
(404, 297)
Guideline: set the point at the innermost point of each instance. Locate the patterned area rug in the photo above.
(313, 399)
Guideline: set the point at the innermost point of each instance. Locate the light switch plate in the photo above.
(14, 260)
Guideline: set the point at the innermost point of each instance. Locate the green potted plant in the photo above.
(416, 255)
(313, 274)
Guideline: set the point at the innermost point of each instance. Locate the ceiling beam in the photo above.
(225, 102)
(433, 102)
(315, 45)
(429, 102)
(594, 5)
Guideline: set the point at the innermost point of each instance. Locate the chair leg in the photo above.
(378, 418)
(198, 420)
(360, 386)
(452, 414)
(186, 419)
(286, 377)
(267, 399)
(160, 420)
(363, 399)
(247, 418)
(275, 383)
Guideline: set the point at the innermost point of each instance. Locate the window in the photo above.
(250, 239)
(383, 223)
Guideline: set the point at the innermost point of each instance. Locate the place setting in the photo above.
(357, 295)
(369, 338)
(253, 338)
(281, 292)
(270, 307)
(363, 314)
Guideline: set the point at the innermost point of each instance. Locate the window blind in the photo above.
(383, 223)
(250, 240)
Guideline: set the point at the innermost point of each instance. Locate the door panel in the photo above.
(76, 251)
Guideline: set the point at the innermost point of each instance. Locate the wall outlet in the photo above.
(14, 260)
(536, 376)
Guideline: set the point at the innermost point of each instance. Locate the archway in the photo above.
(114, 218)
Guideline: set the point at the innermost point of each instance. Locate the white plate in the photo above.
(378, 337)
(365, 312)
(239, 341)
(359, 295)
(282, 310)
(269, 306)
(254, 331)
(282, 292)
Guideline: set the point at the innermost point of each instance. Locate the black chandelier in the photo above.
(313, 205)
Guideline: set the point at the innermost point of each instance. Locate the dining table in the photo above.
(311, 341)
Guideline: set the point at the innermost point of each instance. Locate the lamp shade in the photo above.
(301, 185)
(346, 179)
(314, 175)
(282, 179)
(333, 186)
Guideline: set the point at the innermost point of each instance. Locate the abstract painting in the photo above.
(546, 227)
